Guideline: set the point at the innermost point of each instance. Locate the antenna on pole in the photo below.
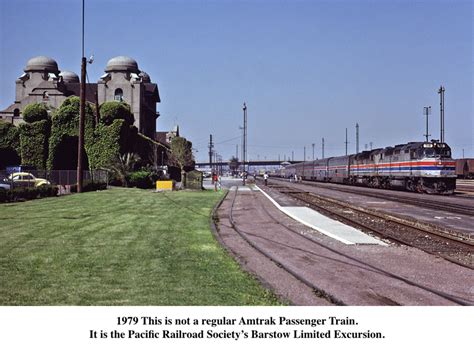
(427, 112)
(441, 112)
(322, 147)
(346, 142)
(357, 138)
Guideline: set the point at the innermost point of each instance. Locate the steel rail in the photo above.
(392, 219)
(445, 206)
(318, 291)
(455, 299)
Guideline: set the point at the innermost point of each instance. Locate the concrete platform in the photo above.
(325, 225)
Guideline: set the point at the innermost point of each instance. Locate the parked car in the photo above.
(27, 180)
(4, 184)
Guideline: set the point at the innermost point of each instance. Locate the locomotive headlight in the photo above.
(427, 145)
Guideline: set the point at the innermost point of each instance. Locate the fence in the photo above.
(61, 177)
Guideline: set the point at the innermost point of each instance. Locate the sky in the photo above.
(307, 70)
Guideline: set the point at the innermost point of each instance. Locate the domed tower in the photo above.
(37, 71)
(124, 81)
(67, 76)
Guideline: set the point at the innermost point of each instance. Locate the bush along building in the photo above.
(40, 128)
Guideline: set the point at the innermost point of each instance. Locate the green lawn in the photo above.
(119, 247)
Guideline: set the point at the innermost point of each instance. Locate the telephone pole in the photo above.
(322, 148)
(244, 156)
(304, 153)
(211, 145)
(82, 110)
(313, 149)
(441, 112)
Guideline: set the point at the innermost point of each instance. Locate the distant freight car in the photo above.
(465, 168)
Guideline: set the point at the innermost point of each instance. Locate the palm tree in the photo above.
(123, 166)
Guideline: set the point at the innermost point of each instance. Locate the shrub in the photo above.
(115, 110)
(141, 179)
(28, 193)
(90, 186)
(35, 112)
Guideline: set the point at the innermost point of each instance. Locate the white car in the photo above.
(4, 185)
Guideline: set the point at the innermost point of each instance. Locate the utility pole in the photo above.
(322, 148)
(371, 143)
(82, 107)
(292, 155)
(441, 112)
(211, 145)
(313, 149)
(304, 153)
(346, 142)
(463, 153)
(244, 156)
(427, 111)
(357, 138)
(237, 152)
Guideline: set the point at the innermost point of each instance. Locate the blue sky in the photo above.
(307, 69)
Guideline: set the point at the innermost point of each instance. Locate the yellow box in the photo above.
(164, 185)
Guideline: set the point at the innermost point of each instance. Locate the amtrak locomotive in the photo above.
(416, 166)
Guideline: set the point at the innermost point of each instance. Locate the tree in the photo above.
(123, 166)
(181, 155)
(234, 165)
(114, 110)
(35, 112)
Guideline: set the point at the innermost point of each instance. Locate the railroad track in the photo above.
(250, 239)
(415, 201)
(455, 247)
(465, 186)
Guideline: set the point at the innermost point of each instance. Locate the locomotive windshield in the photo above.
(442, 152)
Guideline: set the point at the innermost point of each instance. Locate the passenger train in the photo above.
(416, 166)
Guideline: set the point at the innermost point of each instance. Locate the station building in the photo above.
(42, 81)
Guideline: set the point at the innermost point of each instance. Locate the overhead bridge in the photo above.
(252, 163)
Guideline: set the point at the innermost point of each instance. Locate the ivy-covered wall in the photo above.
(107, 143)
(9, 145)
(52, 143)
(34, 143)
(64, 133)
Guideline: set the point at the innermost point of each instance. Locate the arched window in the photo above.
(16, 113)
(118, 95)
(45, 96)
